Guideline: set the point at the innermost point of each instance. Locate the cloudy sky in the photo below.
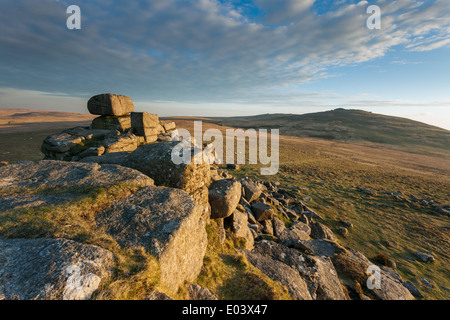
(229, 57)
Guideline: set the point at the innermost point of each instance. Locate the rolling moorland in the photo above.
(353, 126)
(385, 175)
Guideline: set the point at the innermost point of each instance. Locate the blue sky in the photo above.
(211, 57)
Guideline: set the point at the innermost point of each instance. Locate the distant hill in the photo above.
(351, 126)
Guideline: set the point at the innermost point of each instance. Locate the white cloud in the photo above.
(201, 50)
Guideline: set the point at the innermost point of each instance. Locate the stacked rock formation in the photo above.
(118, 128)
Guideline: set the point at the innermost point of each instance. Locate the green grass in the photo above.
(22, 146)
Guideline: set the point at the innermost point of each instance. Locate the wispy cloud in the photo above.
(204, 50)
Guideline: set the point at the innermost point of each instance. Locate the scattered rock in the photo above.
(238, 223)
(158, 295)
(224, 196)
(311, 214)
(370, 192)
(267, 227)
(343, 231)
(425, 256)
(297, 231)
(280, 272)
(252, 189)
(412, 288)
(278, 226)
(347, 224)
(318, 273)
(262, 211)
(355, 265)
(427, 283)
(319, 247)
(319, 231)
(197, 292)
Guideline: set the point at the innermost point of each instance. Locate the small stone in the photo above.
(343, 231)
(425, 256)
(427, 283)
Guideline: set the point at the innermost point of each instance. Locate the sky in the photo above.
(228, 58)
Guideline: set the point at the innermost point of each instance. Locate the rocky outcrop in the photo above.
(117, 129)
(57, 269)
(168, 223)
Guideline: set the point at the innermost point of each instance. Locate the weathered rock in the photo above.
(55, 269)
(121, 124)
(77, 143)
(297, 231)
(281, 272)
(146, 125)
(91, 152)
(110, 105)
(319, 231)
(320, 247)
(168, 125)
(425, 256)
(262, 211)
(346, 223)
(311, 214)
(158, 295)
(278, 226)
(318, 273)
(140, 120)
(62, 175)
(118, 158)
(197, 292)
(267, 227)
(413, 289)
(291, 214)
(343, 231)
(224, 197)
(168, 224)
(165, 137)
(121, 143)
(238, 223)
(391, 285)
(252, 189)
(328, 285)
(427, 283)
(155, 161)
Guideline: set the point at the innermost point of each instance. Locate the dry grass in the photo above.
(328, 174)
